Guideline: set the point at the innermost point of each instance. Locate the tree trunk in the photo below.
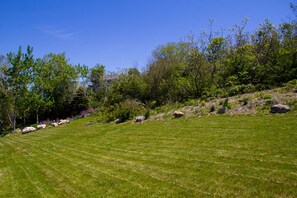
(37, 117)
(14, 116)
(10, 120)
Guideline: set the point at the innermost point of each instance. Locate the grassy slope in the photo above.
(207, 156)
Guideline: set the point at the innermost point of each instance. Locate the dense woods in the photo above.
(205, 66)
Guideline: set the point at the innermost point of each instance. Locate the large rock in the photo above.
(54, 124)
(178, 114)
(63, 121)
(140, 118)
(28, 129)
(41, 126)
(279, 108)
(117, 121)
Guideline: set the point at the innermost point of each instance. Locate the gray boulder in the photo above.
(178, 114)
(140, 118)
(279, 108)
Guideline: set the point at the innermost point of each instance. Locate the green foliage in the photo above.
(241, 89)
(245, 100)
(226, 104)
(124, 111)
(291, 85)
(147, 115)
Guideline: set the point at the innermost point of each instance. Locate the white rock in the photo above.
(63, 122)
(117, 121)
(178, 114)
(28, 129)
(41, 126)
(279, 108)
(54, 124)
(140, 118)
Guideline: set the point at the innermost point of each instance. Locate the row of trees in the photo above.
(210, 66)
(31, 89)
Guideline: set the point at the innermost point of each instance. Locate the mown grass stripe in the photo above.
(258, 177)
(71, 191)
(122, 178)
(177, 158)
(71, 162)
(226, 165)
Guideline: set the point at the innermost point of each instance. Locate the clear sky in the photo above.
(121, 33)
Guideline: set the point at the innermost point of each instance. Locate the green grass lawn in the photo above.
(199, 157)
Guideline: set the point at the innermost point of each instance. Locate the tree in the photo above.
(197, 73)
(18, 74)
(266, 45)
(55, 94)
(215, 55)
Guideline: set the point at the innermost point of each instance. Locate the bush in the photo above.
(244, 100)
(213, 92)
(241, 89)
(147, 115)
(291, 85)
(191, 102)
(124, 111)
(226, 104)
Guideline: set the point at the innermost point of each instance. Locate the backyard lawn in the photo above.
(216, 156)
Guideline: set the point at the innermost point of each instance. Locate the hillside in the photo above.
(223, 156)
(257, 103)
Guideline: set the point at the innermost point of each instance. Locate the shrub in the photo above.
(191, 102)
(266, 96)
(291, 85)
(241, 89)
(124, 110)
(203, 103)
(147, 114)
(226, 104)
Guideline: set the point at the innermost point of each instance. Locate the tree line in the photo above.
(205, 66)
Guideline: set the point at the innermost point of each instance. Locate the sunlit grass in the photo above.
(208, 156)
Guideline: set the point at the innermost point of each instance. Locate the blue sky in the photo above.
(121, 33)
